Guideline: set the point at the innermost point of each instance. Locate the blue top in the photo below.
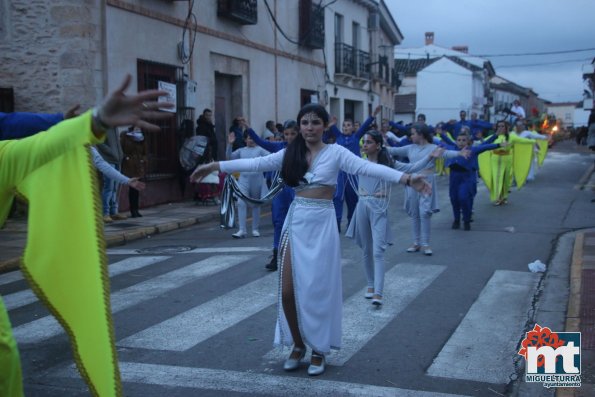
(267, 145)
(21, 125)
(469, 164)
(449, 143)
(351, 142)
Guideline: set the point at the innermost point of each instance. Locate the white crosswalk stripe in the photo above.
(487, 337)
(211, 250)
(250, 382)
(190, 328)
(23, 298)
(361, 321)
(10, 277)
(48, 326)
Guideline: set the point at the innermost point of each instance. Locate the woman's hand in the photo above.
(466, 153)
(203, 170)
(119, 109)
(419, 184)
(437, 153)
(135, 183)
(377, 110)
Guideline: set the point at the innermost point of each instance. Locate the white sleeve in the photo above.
(352, 164)
(106, 169)
(398, 151)
(270, 162)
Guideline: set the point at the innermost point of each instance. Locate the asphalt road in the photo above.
(194, 309)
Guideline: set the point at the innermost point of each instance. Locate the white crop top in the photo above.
(324, 169)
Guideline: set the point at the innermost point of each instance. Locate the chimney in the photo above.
(429, 38)
(461, 48)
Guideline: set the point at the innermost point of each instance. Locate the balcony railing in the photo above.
(351, 61)
(345, 59)
(311, 24)
(363, 64)
(244, 12)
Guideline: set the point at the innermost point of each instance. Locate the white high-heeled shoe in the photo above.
(292, 364)
(314, 370)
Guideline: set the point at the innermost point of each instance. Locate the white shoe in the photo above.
(239, 234)
(255, 233)
(314, 370)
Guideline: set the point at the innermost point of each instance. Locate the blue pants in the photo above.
(462, 188)
(279, 209)
(109, 194)
(345, 193)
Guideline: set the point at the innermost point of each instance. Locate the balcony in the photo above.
(351, 64)
(345, 59)
(244, 12)
(311, 24)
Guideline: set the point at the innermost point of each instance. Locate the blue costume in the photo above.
(282, 201)
(344, 190)
(463, 182)
(447, 142)
(21, 125)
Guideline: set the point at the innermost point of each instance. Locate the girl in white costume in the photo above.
(420, 208)
(310, 298)
(252, 184)
(369, 226)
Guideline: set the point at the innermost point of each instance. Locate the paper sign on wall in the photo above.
(170, 97)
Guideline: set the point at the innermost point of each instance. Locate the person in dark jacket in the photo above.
(134, 164)
(206, 127)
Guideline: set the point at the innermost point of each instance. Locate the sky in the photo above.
(496, 27)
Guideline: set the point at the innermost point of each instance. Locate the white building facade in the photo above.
(444, 82)
(361, 36)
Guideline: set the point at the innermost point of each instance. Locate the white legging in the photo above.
(421, 223)
(252, 185)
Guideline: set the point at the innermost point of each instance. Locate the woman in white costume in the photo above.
(369, 226)
(420, 208)
(310, 298)
(252, 184)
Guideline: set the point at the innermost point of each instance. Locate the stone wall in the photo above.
(51, 53)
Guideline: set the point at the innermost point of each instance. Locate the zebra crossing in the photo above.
(486, 337)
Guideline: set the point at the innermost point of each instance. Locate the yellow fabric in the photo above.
(11, 379)
(64, 259)
(543, 147)
(485, 170)
(521, 163)
(497, 170)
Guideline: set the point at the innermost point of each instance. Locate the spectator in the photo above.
(134, 147)
(269, 130)
(206, 127)
(238, 125)
(111, 151)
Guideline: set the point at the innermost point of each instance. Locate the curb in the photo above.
(113, 239)
(574, 300)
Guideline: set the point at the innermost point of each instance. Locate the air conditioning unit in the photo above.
(588, 69)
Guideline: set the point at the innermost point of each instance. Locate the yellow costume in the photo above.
(497, 167)
(64, 261)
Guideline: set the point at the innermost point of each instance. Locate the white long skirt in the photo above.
(310, 231)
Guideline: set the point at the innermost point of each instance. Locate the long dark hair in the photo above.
(295, 162)
(423, 130)
(383, 157)
(505, 124)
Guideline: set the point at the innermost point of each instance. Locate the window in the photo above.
(338, 28)
(355, 35)
(244, 12)
(311, 24)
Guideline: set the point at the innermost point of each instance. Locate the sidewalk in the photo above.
(159, 219)
(580, 316)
